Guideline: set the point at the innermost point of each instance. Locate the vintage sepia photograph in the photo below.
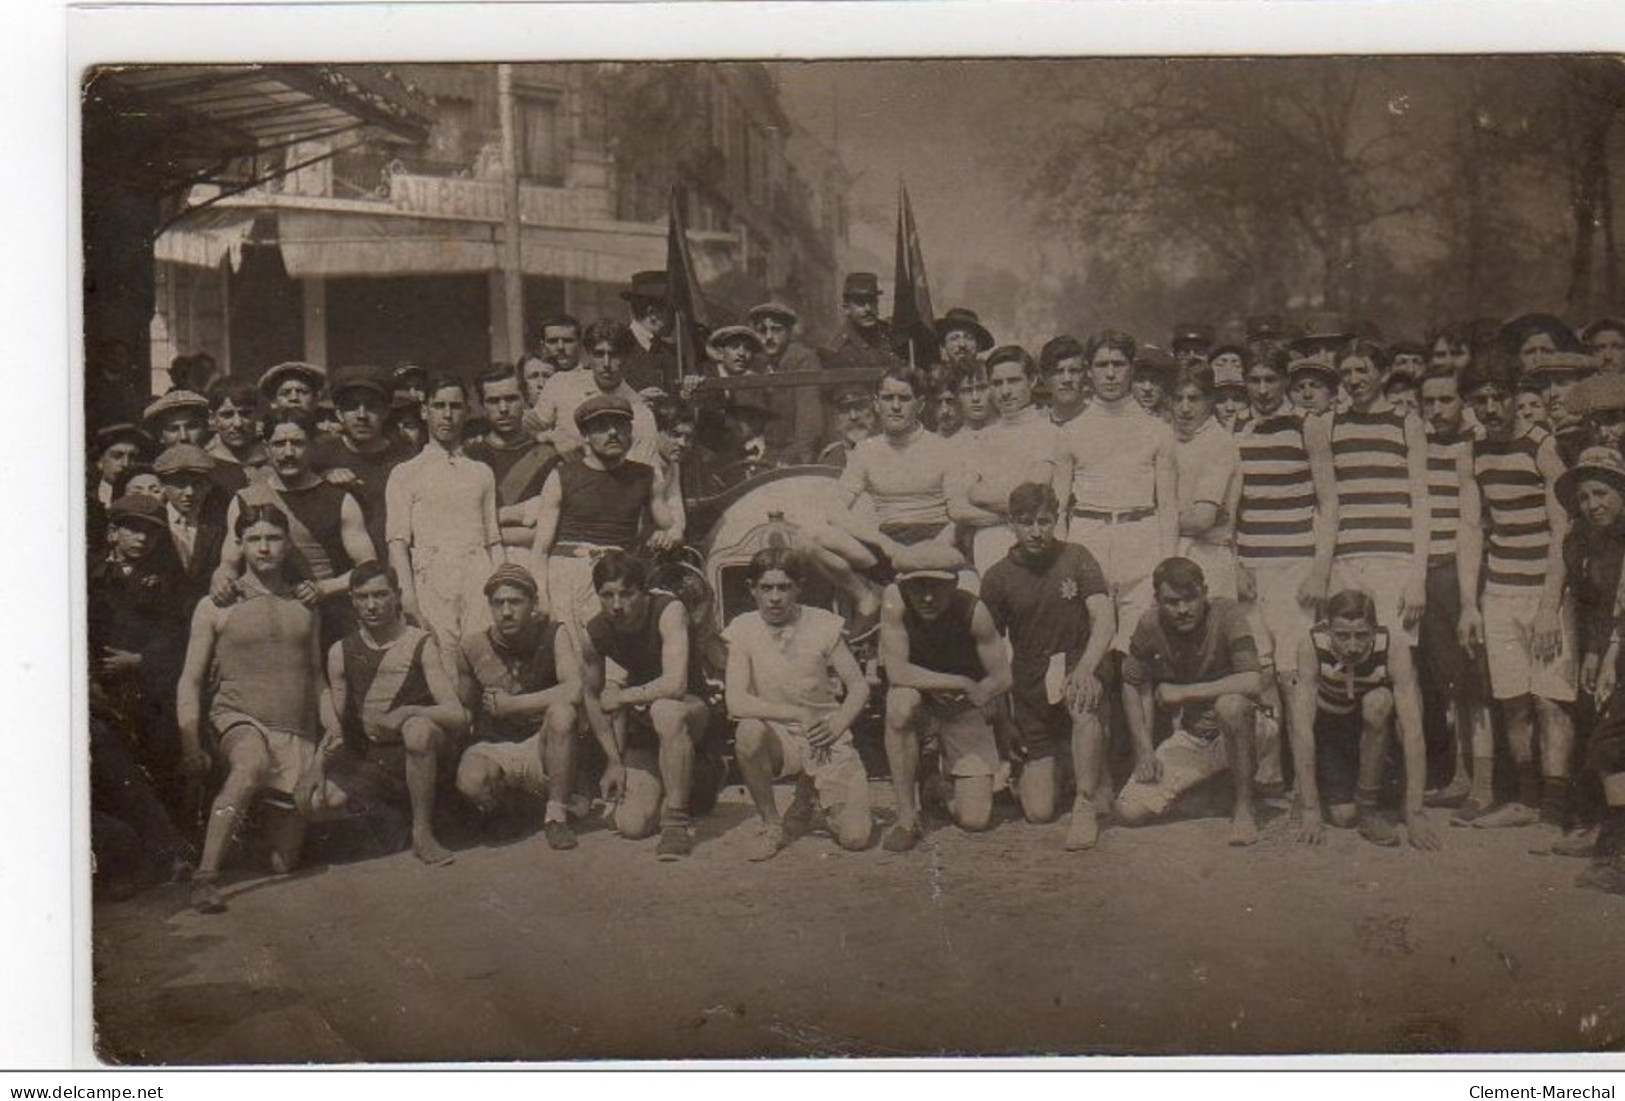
(852, 558)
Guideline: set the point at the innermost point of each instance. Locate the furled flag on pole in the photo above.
(683, 290)
(912, 320)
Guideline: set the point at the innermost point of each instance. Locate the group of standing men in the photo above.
(1123, 551)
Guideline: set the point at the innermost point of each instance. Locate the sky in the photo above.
(937, 125)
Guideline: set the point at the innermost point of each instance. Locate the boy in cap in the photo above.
(293, 385)
(608, 346)
(441, 523)
(387, 714)
(520, 678)
(1230, 403)
(117, 449)
(408, 391)
(1522, 620)
(782, 661)
(1313, 385)
(946, 667)
(1051, 601)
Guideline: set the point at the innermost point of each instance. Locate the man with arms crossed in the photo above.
(780, 658)
(1050, 600)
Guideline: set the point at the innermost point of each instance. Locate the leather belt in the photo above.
(578, 550)
(1127, 516)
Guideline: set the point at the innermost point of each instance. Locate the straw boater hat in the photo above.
(170, 402)
(1599, 464)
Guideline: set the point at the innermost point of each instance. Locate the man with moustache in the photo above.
(651, 360)
(800, 425)
(238, 453)
(865, 340)
(1066, 375)
(963, 338)
(559, 341)
(609, 346)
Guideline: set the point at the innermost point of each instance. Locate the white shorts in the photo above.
(1385, 579)
(965, 737)
(571, 599)
(1509, 626)
(1127, 553)
(518, 764)
(290, 755)
(1278, 621)
(837, 773)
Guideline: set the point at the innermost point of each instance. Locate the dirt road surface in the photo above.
(1161, 941)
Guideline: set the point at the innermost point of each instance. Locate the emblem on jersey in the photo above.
(1069, 589)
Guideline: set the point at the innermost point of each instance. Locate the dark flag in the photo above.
(683, 290)
(913, 322)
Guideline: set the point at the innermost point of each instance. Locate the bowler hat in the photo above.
(1192, 332)
(1324, 328)
(961, 318)
(647, 285)
(861, 284)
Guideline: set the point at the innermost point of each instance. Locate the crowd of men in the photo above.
(1359, 581)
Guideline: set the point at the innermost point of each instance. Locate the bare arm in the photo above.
(447, 710)
(1102, 629)
(547, 514)
(231, 556)
(1167, 475)
(857, 689)
(672, 683)
(357, 545)
(566, 691)
(1469, 552)
(194, 671)
(894, 653)
(1248, 684)
(963, 508)
(1061, 482)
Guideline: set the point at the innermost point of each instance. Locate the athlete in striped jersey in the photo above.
(1453, 669)
(1527, 631)
(1380, 458)
(1352, 684)
(1286, 522)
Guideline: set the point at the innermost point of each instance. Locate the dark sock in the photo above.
(1483, 781)
(1529, 784)
(1366, 799)
(1554, 799)
(1611, 833)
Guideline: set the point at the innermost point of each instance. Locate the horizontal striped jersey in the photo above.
(1374, 506)
(1444, 493)
(1275, 521)
(1340, 687)
(1514, 495)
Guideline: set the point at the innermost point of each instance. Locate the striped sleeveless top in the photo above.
(1275, 520)
(1444, 496)
(1339, 688)
(1374, 506)
(378, 680)
(1514, 494)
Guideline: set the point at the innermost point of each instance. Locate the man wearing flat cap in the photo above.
(852, 420)
(865, 339)
(196, 513)
(609, 347)
(1192, 341)
(732, 423)
(364, 447)
(800, 427)
(293, 385)
(180, 416)
(654, 361)
(116, 449)
(946, 667)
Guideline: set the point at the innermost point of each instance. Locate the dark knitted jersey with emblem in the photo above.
(1041, 605)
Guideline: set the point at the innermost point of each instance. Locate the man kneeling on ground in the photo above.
(1193, 662)
(780, 658)
(649, 723)
(1351, 684)
(940, 682)
(521, 681)
(386, 715)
